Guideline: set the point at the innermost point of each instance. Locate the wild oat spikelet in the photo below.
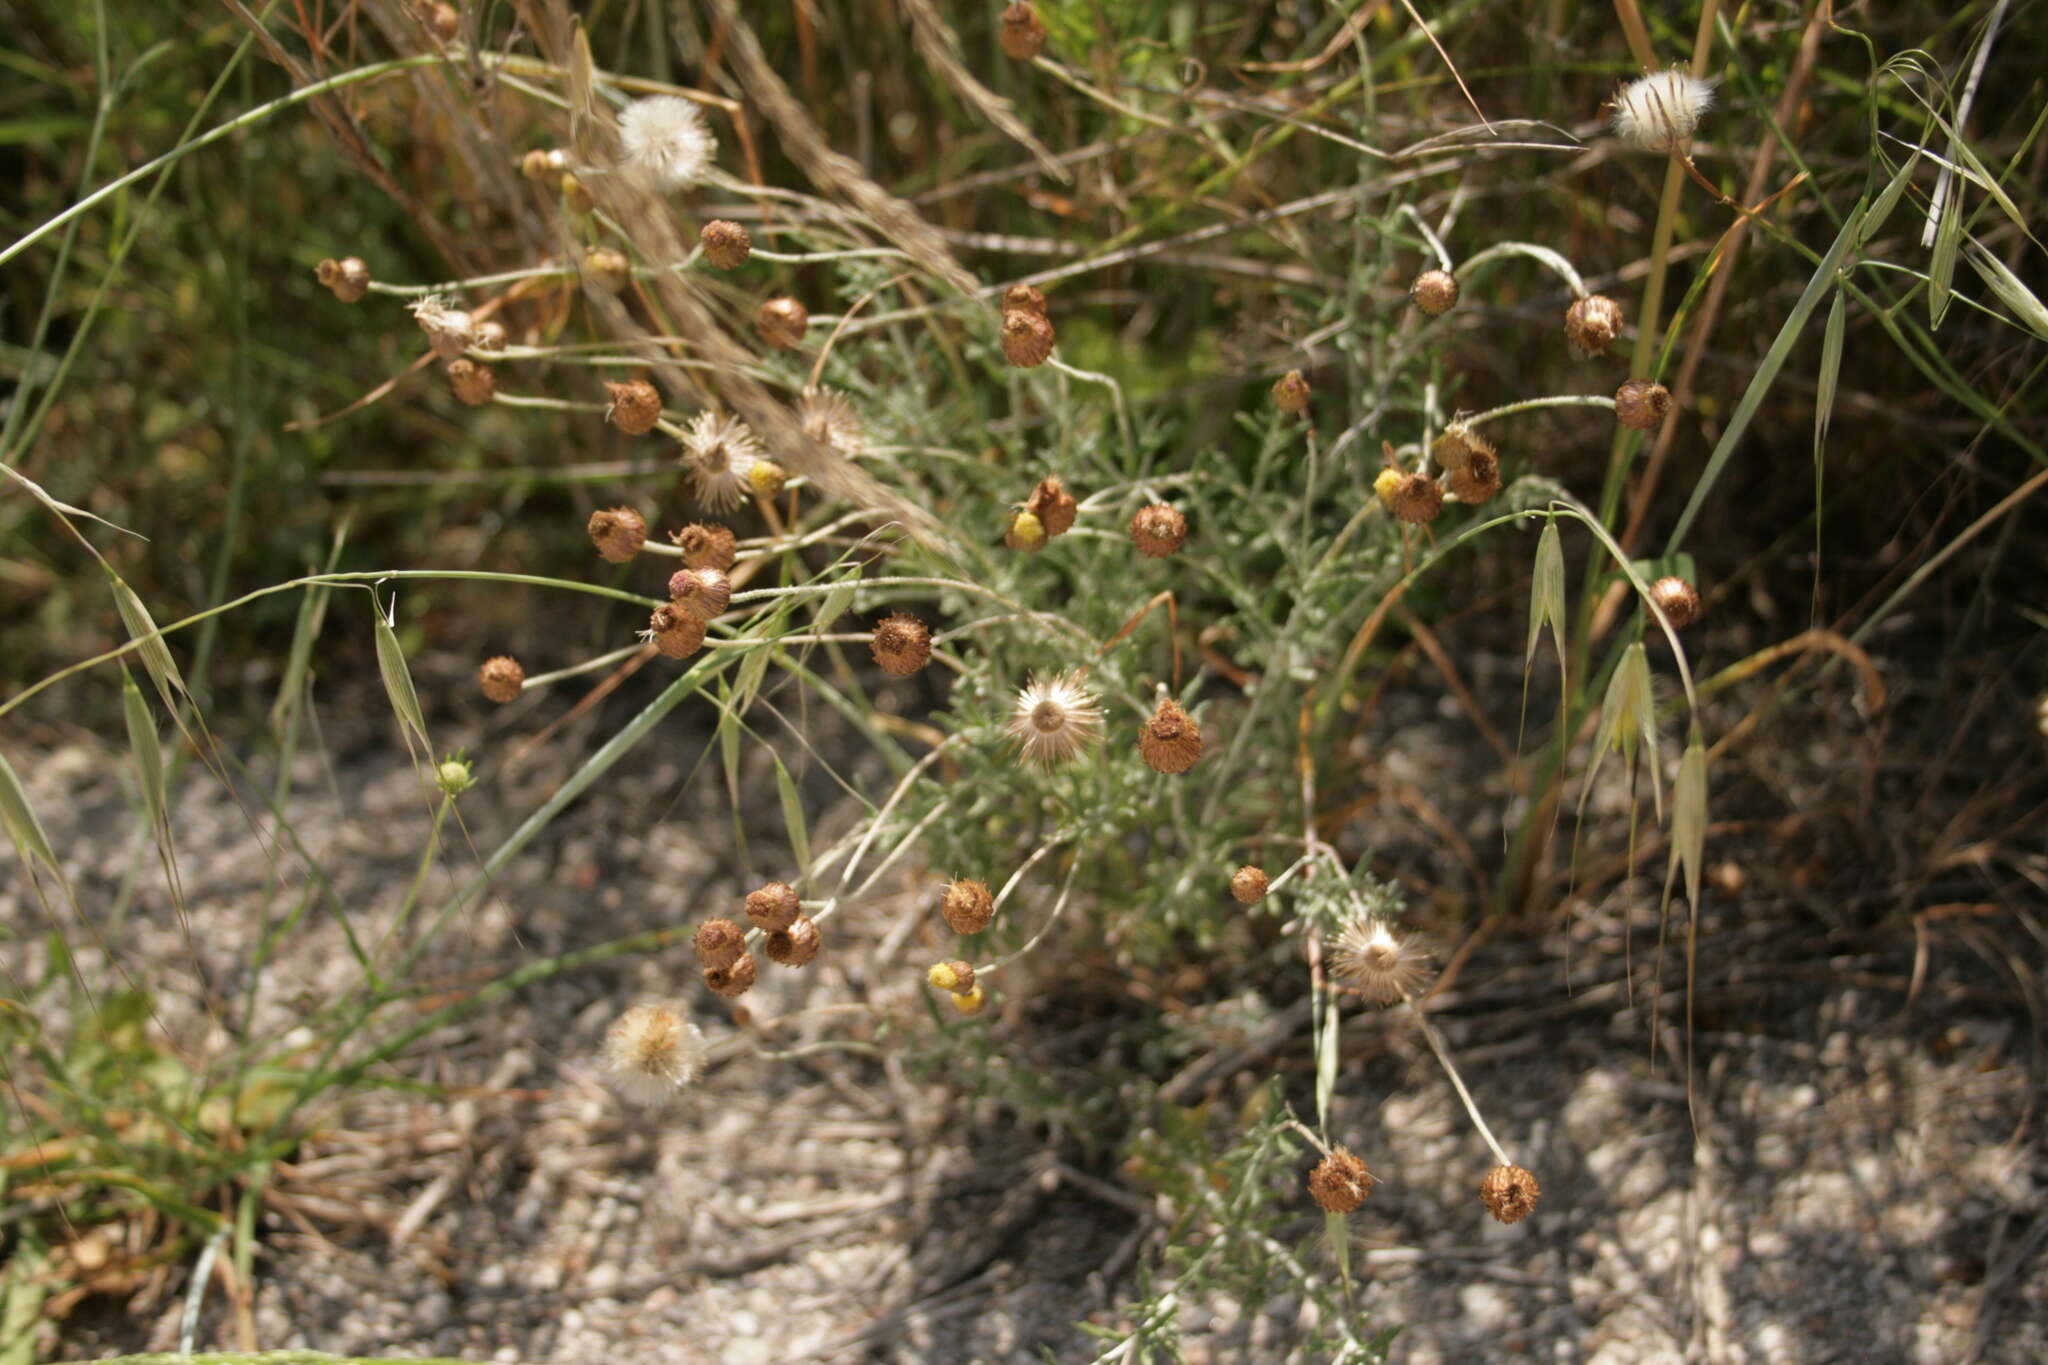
(782, 323)
(1417, 499)
(1591, 324)
(1641, 404)
(1158, 530)
(1054, 719)
(1027, 338)
(1248, 884)
(1053, 505)
(736, 978)
(618, 533)
(635, 406)
(1170, 741)
(1291, 392)
(704, 593)
(719, 942)
(663, 140)
(719, 451)
(706, 545)
(1509, 1193)
(1677, 599)
(473, 384)
(967, 906)
(501, 678)
(1435, 292)
(774, 906)
(348, 279)
(1378, 963)
(1659, 112)
(902, 645)
(1023, 33)
(726, 244)
(1479, 479)
(676, 631)
(652, 1052)
(796, 945)
(828, 418)
(1340, 1182)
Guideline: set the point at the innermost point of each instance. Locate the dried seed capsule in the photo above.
(676, 631)
(767, 478)
(968, 907)
(1023, 298)
(971, 1003)
(542, 164)
(1417, 499)
(719, 942)
(782, 323)
(704, 593)
(1509, 1193)
(726, 244)
(1435, 292)
(1641, 404)
(1454, 447)
(1677, 599)
(1248, 884)
(1291, 392)
(955, 977)
(1479, 479)
(442, 20)
(736, 978)
(605, 270)
(490, 335)
(1027, 338)
(576, 195)
(1340, 1182)
(473, 384)
(635, 408)
(902, 645)
(1026, 532)
(348, 279)
(1592, 323)
(1053, 505)
(618, 533)
(796, 945)
(501, 678)
(1023, 34)
(706, 545)
(1170, 741)
(774, 906)
(1158, 530)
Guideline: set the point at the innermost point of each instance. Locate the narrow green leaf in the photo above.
(144, 745)
(793, 815)
(1689, 819)
(19, 818)
(156, 655)
(1338, 1230)
(405, 702)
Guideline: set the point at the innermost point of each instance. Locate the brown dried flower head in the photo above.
(1378, 963)
(1677, 599)
(1248, 884)
(719, 942)
(1340, 1182)
(726, 244)
(618, 533)
(450, 331)
(472, 383)
(1291, 392)
(1054, 719)
(606, 270)
(348, 279)
(796, 945)
(501, 678)
(1053, 505)
(1027, 338)
(651, 1052)
(1435, 292)
(491, 335)
(1026, 532)
(706, 545)
(443, 20)
(1479, 479)
(1510, 1193)
(1023, 298)
(955, 977)
(1023, 34)
(1641, 404)
(635, 406)
(1591, 324)
(736, 978)
(782, 323)
(705, 593)
(676, 631)
(1417, 499)
(902, 644)
(1170, 741)
(967, 906)
(1455, 446)
(1158, 530)
(774, 906)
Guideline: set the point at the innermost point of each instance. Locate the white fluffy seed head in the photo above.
(1054, 719)
(1659, 112)
(720, 451)
(652, 1052)
(1379, 963)
(663, 139)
